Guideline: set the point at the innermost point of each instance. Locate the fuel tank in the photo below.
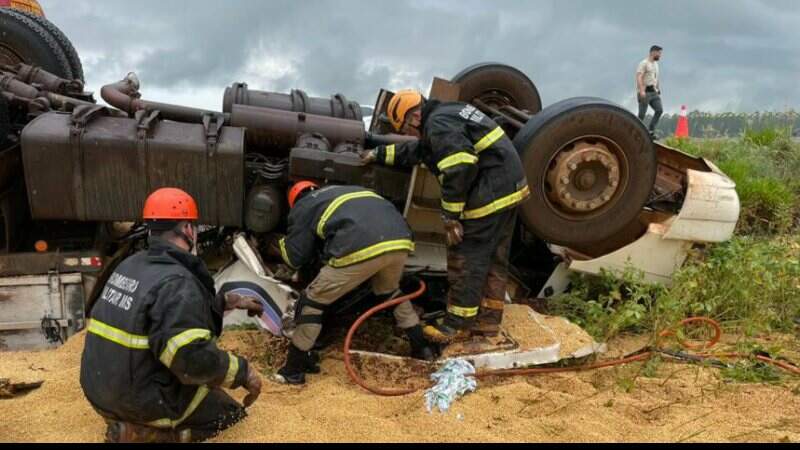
(89, 166)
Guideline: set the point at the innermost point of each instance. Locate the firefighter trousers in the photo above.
(385, 272)
(217, 412)
(477, 271)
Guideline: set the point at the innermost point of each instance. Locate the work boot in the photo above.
(420, 347)
(489, 318)
(312, 363)
(443, 333)
(131, 433)
(298, 363)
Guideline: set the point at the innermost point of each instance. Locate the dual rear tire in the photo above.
(591, 164)
(34, 40)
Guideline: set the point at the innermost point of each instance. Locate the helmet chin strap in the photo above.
(189, 241)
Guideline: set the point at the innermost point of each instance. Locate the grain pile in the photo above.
(681, 403)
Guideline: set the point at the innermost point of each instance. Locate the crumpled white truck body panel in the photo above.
(709, 214)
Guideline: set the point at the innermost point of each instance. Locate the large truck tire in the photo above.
(5, 123)
(22, 39)
(498, 85)
(591, 166)
(63, 41)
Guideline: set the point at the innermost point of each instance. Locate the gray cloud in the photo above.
(719, 55)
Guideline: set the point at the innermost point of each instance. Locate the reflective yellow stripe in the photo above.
(498, 205)
(456, 159)
(489, 139)
(118, 336)
(180, 340)
(201, 393)
(453, 207)
(462, 312)
(390, 150)
(233, 369)
(336, 204)
(371, 252)
(284, 254)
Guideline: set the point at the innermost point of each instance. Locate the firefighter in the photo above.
(482, 182)
(361, 236)
(150, 366)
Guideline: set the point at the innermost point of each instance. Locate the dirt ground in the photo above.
(676, 403)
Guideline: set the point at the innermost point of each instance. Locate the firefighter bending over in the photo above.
(482, 181)
(361, 237)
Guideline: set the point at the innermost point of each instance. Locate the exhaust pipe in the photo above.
(124, 95)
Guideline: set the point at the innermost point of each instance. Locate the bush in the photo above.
(767, 136)
(608, 304)
(765, 172)
(768, 204)
(749, 283)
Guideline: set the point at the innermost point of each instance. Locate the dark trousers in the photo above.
(651, 99)
(217, 412)
(477, 271)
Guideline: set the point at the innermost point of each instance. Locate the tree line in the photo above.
(717, 125)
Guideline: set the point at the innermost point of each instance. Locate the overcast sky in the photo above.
(720, 55)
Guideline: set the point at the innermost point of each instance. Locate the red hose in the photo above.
(535, 371)
(348, 340)
(689, 346)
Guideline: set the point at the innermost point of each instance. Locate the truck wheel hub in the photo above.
(495, 98)
(584, 177)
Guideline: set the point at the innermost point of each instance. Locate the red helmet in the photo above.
(170, 204)
(299, 188)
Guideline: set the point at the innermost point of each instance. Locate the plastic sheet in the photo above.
(453, 380)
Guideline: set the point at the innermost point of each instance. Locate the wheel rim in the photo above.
(586, 177)
(496, 98)
(8, 56)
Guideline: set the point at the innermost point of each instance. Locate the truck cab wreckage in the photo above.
(74, 175)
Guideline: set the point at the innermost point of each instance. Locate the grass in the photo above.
(764, 166)
(751, 284)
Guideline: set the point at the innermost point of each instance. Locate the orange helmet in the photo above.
(402, 102)
(170, 204)
(299, 188)
(31, 6)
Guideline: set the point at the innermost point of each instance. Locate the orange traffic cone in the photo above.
(682, 130)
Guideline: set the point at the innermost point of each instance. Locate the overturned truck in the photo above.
(74, 175)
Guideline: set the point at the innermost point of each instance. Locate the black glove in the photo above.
(421, 348)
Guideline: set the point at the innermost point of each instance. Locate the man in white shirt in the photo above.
(648, 87)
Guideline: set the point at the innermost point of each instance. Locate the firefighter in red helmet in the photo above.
(361, 237)
(151, 367)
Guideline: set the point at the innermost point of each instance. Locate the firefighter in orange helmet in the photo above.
(151, 367)
(483, 182)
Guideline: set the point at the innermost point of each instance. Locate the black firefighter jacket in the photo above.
(477, 165)
(348, 224)
(150, 354)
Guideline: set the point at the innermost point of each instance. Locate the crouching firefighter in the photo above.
(482, 182)
(150, 366)
(361, 237)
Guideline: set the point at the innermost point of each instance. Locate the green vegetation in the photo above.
(751, 284)
(731, 125)
(765, 175)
